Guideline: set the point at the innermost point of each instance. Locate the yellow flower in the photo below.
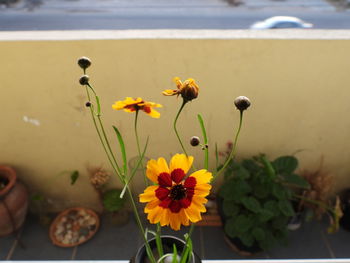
(176, 199)
(133, 105)
(188, 89)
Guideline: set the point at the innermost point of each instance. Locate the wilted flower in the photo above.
(188, 89)
(99, 178)
(242, 103)
(133, 105)
(84, 62)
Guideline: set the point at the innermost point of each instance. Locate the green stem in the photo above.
(101, 139)
(104, 134)
(175, 129)
(232, 153)
(138, 221)
(187, 240)
(159, 241)
(138, 147)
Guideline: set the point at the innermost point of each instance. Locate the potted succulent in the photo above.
(255, 201)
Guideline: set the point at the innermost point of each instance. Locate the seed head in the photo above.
(88, 104)
(84, 80)
(194, 141)
(84, 62)
(242, 103)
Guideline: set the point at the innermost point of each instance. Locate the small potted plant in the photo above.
(255, 202)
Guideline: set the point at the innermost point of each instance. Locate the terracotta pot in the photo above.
(168, 242)
(76, 225)
(13, 201)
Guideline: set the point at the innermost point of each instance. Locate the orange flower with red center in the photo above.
(188, 89)
(176, 199)
(133, 105)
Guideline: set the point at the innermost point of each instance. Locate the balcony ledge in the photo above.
(172, 34)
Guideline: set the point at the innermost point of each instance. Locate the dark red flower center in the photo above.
(178, 192)
(174, 192)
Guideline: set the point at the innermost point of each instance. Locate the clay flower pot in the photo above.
(13, 201)
(73, 227)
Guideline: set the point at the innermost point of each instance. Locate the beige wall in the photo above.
(299, 88)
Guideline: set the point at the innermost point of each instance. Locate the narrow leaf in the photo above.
(122, 149)
(98, 105)
(74, 177)
(205, 138)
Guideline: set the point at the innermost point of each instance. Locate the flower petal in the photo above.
(170, 92)
(153, 113)
(202, 190)
(175, 221)
(161, 193)
(155, 168)
(177, 82)
(202, 176)
(149, 194)
(193, 214)
(181, 161)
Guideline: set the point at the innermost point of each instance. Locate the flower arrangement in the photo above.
(175, 193)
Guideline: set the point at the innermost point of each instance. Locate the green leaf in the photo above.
(268, 242)
(251, 166)
(285, 207)
(205, 138)
(261, 190)
(230, 208)
(243, 223)
(74, 177)
(280, 222)
(247, 239)
(237, 225)
(242, 173)
(251, 204)
(269, 169)
(265, 215)
(174, 254)
(234, 190)
(122, 149)
(279, 191)
(37, 197)
(258, 233)
(271, 205)
(112, 201)
(285, 164)
(296, 180)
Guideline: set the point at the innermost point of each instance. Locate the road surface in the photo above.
(163, 14)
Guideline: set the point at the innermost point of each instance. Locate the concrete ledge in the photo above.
(173, 34)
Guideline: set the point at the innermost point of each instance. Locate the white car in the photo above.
(281, 22)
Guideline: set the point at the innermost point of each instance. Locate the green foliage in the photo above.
(256, 198)
(112, 201)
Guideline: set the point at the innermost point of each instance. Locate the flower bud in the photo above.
(194, 141)
(84, 80)
(242, 103)
(84, 62)
(88, 104)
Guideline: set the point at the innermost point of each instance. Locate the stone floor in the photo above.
(120, 243)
